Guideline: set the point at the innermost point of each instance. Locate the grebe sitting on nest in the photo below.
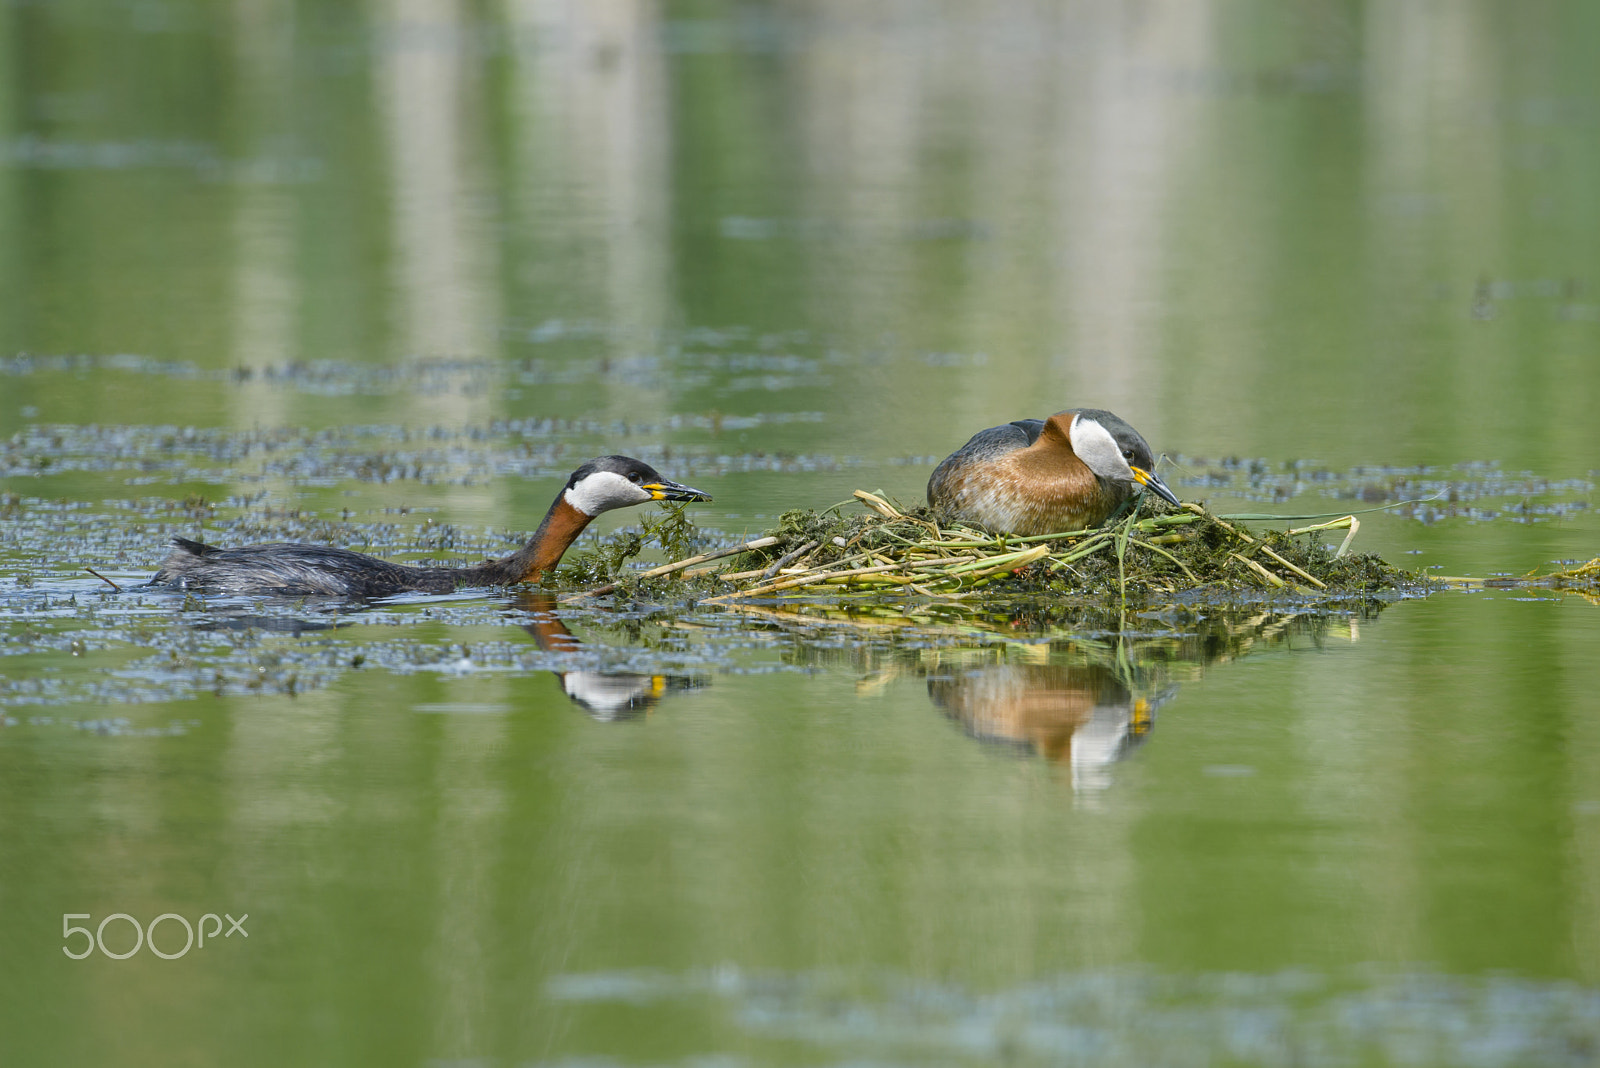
(1071, 471)
(293, 569)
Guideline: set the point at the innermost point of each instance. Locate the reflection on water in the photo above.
(232, 618)
(378, 274)
(1070, 685)
(1082, 716)
(607, 696)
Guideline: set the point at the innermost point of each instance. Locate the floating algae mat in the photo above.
(1151, 554)
(1583, 579)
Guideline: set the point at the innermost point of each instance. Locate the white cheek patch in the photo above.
(603, 491)
(1099, 450)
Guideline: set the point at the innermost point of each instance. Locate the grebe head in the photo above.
(609, 482)
(1114, 450)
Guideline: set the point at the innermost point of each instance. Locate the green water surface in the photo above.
(383, 274)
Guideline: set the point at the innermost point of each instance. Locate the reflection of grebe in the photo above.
(299, 570)
(1080, 715)
(605, 695)
(1041, 476)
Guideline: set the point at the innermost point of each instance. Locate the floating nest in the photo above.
(1150, 553)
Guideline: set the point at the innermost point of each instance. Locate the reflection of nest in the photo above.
(1079, 701)
(1174, 645)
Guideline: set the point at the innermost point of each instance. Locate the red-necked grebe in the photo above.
(1043, 476)
(293, 569)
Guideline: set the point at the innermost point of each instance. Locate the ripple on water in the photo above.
(719, 366)
(1140, 1017)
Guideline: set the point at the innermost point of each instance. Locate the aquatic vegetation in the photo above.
(1582, 578)
(670, 528)
(1149, 554)
(1295, 1016)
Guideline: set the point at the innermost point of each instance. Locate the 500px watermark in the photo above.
(146, 936)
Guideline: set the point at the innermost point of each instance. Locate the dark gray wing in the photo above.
(998, 440)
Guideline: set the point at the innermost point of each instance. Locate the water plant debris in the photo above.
(1150, 552)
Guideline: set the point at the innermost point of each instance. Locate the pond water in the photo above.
(381, 277)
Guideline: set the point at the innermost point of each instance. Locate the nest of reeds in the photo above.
(1150, 553)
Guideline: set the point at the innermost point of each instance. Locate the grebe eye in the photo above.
(635, 478)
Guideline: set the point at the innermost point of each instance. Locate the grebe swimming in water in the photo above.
(1043, 476)
(322, 570)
